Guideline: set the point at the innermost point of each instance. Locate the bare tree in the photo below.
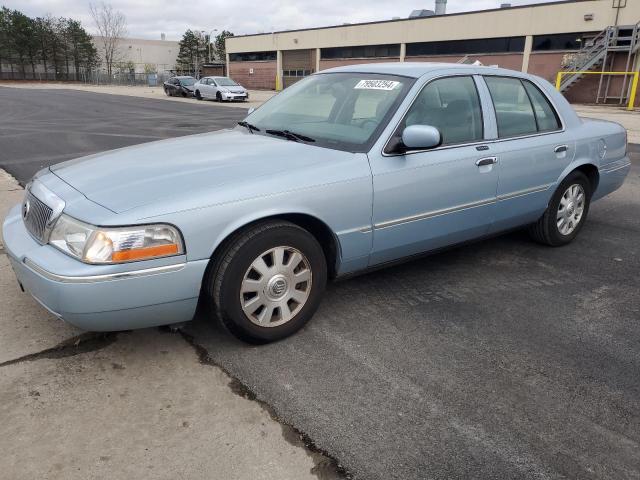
(112, 27)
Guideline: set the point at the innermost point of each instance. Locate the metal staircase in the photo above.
(598, 54)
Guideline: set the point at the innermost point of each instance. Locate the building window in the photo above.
(365, 51)
(296, 73)
(467, 47)
(252, 56)
(560, 41)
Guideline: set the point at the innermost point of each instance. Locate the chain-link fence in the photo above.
(123, 74)
(122, 78)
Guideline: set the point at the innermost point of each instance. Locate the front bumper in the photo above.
(234, 96)
(103, 297)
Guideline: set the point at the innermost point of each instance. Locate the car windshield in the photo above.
(343, 111)
(225, 82)
(187, 81)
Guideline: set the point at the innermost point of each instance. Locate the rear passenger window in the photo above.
(545, 114)
(452, 106)
(514, 112)
(521, 108)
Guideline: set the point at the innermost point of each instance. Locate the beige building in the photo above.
(161, 54)
(596, 35)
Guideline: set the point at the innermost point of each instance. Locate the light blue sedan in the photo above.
(349, 169)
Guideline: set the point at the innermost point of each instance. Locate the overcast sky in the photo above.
(149, 18)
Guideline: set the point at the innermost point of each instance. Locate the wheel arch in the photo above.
(325, 236)
(588, 168)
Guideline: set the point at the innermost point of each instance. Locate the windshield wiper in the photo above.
(296, 137)
(248, 126)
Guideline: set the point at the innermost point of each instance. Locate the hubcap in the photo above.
(276, 286)
(570, 209)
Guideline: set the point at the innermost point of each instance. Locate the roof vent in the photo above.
(505, 5)
(441, 7)
(422, 13)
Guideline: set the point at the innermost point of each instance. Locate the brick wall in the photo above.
(262, 78)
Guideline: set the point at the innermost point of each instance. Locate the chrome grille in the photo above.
(36, 214)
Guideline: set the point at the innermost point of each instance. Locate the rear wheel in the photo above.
(268, 282)
(566, 213)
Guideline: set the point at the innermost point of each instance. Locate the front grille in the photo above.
(36, 214)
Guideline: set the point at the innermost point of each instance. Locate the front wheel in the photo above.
(218, 96)
(198, 95)
(566, 212)
(268, 282)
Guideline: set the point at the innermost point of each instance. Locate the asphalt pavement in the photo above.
(500, 359)
(44, 127)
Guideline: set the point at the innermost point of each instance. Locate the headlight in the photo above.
(115, 245)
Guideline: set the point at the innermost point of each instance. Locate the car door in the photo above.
(213, 88)
(425, 200)
(203, 86)
(532, 146)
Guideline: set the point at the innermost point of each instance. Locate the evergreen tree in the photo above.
(219, 48)
(60, 43)
(190, 47)
(81, 50)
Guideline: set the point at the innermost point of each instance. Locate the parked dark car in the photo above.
(180, 86)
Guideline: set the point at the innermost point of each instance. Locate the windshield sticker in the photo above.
(376, 85)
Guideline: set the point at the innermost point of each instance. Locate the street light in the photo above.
(209, 44)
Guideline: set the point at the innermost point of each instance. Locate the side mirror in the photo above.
(421, 137)
(251, 110)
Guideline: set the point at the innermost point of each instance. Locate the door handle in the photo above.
(561, 149)
(483, 162)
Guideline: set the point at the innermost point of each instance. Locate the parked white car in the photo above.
(219, 88)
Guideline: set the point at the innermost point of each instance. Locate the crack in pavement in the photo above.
(326, 467)
(83, 343)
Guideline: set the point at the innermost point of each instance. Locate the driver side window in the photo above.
(452, 105)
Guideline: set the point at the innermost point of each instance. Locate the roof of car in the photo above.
(183, 76)
(408, 69)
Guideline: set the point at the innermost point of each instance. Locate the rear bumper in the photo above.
(612, 177)
(102, 298)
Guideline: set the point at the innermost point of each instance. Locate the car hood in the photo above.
(234, 89)
(131, 177)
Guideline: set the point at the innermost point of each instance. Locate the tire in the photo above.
(218, 97)
(166, 92)
(270, 312)
(184, 94)
(198, 96)
(560, 225)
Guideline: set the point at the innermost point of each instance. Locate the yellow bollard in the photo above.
(634, 91)
(558, 80)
